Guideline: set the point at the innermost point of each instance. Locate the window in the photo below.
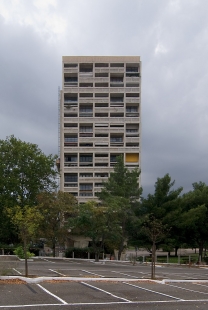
(101, 175)
(70, 139)
(116, 139)
(131, 109)
(70, 98)
(86, 175)
(85, 158)
(86, 144)
(85, 187)
(85, 84)
(83, 95)
(101, 155)
(116, 98)
(85, 129)
(101, 65)
(70, 158)
(103, 74)
(71, 65)
(87, 109)
(113, 158)
(85, 67)
(101, 135)
(70, 177)
(98, 184)
(97, 95)
(101, 104)
(70, 125)
(101, 114)
(68, 79)
(117, 65)
(101, 84)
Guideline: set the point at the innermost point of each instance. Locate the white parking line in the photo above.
(48, 260)
(145, 289)
(105, 303)
(44, 289)
(93, 273)
(125, 274)
(61, 274)
(186, 289)
(99, 289)
(16, 270)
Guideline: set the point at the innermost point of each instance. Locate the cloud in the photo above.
(169, 35)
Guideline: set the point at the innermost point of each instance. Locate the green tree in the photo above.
(55, 208)
(164, 204)
(194, 222)
(95, 222)
(122, 189)
(25, 171)
(155, 231)
(26, 220)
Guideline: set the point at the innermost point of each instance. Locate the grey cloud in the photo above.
(171, 38)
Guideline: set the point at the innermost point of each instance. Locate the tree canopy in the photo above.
(25, 171)
(122, 192)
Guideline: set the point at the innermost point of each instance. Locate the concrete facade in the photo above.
(100, 109)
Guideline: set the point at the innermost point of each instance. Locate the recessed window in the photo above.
(101, 65)
(117, 65)
(71, 65)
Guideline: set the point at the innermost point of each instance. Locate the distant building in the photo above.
(99, 120)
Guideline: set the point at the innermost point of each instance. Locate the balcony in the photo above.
(133, 100)
(100, 139)
(101, 69)
(71, 70)
(70, 164)
(117, 69)
(101, 79)
(131, 89)
(132, 139)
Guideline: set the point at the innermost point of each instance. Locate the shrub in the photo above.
(20, 253)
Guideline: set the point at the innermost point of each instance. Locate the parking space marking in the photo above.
(125, 274)
(201, 284)
(61, 274)
(99, 289)
(48, 260)
(95, 274)
(145, 289)
(16, 271)
(186, 289)
(55, 296)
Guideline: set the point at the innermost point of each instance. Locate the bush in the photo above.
(20, 253)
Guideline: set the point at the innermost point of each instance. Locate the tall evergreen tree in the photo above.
(122, 190)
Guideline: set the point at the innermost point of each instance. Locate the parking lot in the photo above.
(78, 284)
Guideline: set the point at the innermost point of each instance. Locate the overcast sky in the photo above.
(171, 36)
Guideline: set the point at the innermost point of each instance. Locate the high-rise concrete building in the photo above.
(99, 120)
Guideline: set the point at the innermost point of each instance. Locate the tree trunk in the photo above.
(176, 251)
(201, 246)
(54, 249)
(25, 253)
(120, 250)
(97, 256)
(153, 261)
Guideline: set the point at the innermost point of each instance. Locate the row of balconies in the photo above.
(113, 120)
(103, 115)
(117, 89)
(86, 147)
(85, 79)
(99, 100)
(99, 70)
